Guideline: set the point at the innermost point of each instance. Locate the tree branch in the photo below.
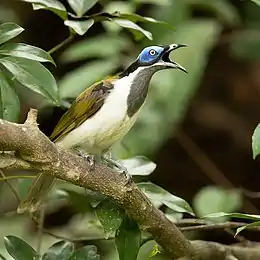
(37, 152)
(33, 150)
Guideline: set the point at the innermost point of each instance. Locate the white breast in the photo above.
(108, 125)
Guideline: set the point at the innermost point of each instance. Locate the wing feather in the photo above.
(84, 107)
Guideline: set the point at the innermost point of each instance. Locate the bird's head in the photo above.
(155, 58)
(159, 56)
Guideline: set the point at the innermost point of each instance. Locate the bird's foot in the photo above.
(89, 158)
(120, 168)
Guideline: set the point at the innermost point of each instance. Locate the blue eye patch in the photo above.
(150, 54)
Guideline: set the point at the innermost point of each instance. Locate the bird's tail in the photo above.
(37, 193)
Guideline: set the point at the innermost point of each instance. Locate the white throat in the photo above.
(109, 125)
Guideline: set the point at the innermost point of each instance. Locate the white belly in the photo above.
(110, 124)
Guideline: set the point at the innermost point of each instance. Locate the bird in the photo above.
(103, 114)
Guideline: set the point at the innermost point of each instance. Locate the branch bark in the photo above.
(33, 150)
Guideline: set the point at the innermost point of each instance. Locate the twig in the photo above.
(250, 194)
(10, 187)
(204, 226)
(57, 47)
(5, 178)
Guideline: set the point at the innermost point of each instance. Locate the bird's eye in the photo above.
(152, 52)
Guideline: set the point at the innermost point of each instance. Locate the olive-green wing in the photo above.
(85, 106)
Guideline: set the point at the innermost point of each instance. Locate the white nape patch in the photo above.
(110, 124)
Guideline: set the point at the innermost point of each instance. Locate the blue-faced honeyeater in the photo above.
(103, 113)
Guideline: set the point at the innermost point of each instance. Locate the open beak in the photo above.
(166, 59)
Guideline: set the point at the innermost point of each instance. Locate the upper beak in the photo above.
(166, 58)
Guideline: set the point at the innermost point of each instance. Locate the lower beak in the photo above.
(178, 66)
(171, 63)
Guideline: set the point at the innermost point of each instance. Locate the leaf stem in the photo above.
(60, 45)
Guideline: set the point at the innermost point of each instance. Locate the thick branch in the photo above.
(33, 150)
(36, 151)
(216, 251)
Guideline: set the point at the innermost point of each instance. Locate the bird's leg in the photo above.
(88, 157)
(121, 169)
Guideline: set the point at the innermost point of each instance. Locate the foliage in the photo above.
(256, 1)
(20, 250)
(128, 240)
(239, 216)
(19, 65)
(124, 32)
(224, 201)
(160, 197)
(256, 142)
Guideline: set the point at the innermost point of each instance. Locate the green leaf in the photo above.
(86, 253)
(80, 27)
(32, 75)
(109, 216)
(9, 101)
(233, 215)
(94, 47)
(60, 250)
(52, 5)
(9, 31)
(138, 18)
(81, 6)
(159, 197)
(25, 51)
(237, 215)
(128, 240)
(55, 4)
(19, 249)
(80, 201)
(255, 224)
(256, 2)
(224, 200)
(173, 216)
(256, 142)
(222, 9)
(155, 2)
(134, 28)
(79, 79)
(116, 7)
(138, 165)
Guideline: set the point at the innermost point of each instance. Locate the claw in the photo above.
(128, 177)
(121, 169)
(91, 161)
(89, 158)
